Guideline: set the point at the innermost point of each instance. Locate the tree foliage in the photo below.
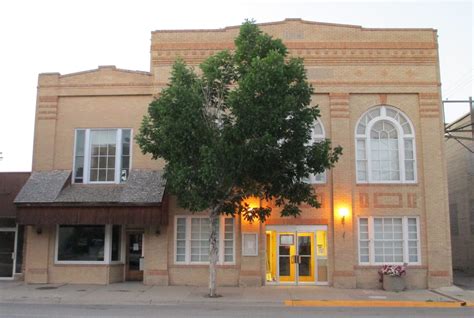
(239, 129)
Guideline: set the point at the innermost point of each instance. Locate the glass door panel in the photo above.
(286, 257)
(7, 250)
(305, 257)
(134, 256)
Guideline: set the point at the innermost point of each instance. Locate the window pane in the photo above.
(229, 240)
(79, 157)
(116, 242)
(180, 239)
(125, 160)
(103, 144)
(200, 233)
(388, 240)
(81, 242)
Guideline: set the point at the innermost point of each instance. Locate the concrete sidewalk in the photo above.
(136, 293)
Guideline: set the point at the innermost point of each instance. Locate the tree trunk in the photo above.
(213, 253)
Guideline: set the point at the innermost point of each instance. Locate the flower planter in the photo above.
(394, 283)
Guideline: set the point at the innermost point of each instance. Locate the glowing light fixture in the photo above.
(343, 212)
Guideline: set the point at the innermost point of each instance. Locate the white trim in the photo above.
(401, 137)
(370, 222)
(220, 241)
(87, 154)
(318, 138)
(254, 234)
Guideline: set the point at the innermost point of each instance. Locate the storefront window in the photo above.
(81, 243)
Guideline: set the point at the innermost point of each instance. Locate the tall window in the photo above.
(317, 135)
(192, 239)
(102, 155)
(385, 147)
(385, 240)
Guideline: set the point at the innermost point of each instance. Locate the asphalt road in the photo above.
(218, 310)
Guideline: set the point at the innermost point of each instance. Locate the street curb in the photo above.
(376, 303)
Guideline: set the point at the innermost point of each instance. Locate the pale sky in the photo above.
(71, 36)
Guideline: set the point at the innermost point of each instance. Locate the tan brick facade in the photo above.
(352, 70)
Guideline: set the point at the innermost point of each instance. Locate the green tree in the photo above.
(240, 129)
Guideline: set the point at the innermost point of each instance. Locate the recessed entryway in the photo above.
(296, 254)
(135, 256)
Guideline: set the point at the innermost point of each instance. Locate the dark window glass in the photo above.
(19, 248)
(116, 242)
(81, 242)
(125, 168)
(79, 159)
(7, 247)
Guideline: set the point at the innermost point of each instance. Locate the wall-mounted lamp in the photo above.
(343, 212)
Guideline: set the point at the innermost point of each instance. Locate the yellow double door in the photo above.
(296, 257)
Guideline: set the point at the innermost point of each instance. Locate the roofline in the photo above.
(100, 67)
(15, 172)
(454, 122)
(293, 20)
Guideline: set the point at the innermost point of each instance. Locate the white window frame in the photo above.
(402, 136)
(244, 251)
(370, 222)
(314, 139)
(107, 247)
(220, 241)
(87, 158)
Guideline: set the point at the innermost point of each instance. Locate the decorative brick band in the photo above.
(297, 221)
(379, 196)
(411, 200)
(423, 47)
(363, 200)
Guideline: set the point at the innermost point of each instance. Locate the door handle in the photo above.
(13, 256)
(299, 259)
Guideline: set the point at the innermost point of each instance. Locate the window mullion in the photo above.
(118, 155)
(371, 240)
(87, 157)
(401, 156)
(368, 153)
(221, 239)
(405, 239)
(188, 241)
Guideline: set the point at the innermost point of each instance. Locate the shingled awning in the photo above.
(48, 197)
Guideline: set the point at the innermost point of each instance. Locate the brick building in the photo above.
(96, 209)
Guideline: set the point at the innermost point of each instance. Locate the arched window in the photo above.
(317, 135)
(385, 147)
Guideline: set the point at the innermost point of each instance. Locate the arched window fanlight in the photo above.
(385, 147)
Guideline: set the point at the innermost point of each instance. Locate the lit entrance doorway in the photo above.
(296, 255)
(134, 261)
